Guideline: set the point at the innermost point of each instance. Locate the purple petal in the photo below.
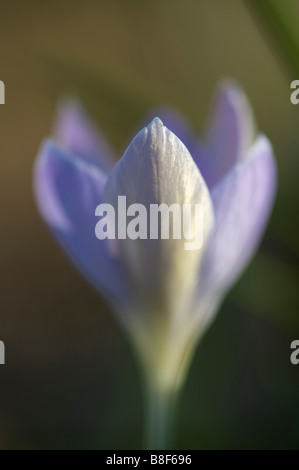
(242, 203)
(77, 134)
(157, 168)
(68, 189)
(229, 134)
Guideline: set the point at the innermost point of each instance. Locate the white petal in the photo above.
(157, 168)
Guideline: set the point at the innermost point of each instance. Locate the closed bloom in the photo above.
(164, 296)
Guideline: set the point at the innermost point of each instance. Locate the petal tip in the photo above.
(229, 87)
(156, 123)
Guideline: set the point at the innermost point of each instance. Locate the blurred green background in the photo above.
(70, 379)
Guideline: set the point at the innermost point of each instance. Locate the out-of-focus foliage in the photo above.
(280, 19)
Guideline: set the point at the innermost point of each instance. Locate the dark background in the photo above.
(70, 379)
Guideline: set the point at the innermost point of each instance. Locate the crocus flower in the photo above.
(164, 296)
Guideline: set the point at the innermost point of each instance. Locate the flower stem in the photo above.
(159, 419)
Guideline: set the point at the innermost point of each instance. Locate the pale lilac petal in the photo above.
(68, 189)
(157, 168)
(77, 134)
(242, 203)
(228, 136)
